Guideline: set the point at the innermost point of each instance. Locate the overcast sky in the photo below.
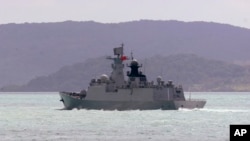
(234, 12)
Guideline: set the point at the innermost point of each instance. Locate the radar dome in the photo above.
(159, 78)
(134, 63)
(104, 77)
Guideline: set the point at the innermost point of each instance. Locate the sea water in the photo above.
(37, 116)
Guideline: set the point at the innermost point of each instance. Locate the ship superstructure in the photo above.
(115, 93)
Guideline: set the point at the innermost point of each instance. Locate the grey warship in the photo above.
(136, 93)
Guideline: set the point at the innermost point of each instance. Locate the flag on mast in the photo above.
(123, 58)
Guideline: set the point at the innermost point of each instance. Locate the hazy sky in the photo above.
(234, 12)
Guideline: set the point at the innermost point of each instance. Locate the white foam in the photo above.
(225, 110)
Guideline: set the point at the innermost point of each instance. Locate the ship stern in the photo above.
(190, 104)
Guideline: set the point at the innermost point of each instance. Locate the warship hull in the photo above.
(71, 102)
(114, 92)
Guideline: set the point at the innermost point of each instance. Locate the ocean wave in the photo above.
(226, 110)
(216, 110)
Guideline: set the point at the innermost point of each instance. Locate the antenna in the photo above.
(132, 58)
(161, 71)
(144, 68)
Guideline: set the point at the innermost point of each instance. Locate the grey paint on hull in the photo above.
(72, 102)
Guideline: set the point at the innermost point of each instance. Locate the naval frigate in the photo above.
(136, 93)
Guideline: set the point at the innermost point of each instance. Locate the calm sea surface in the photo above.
(37, 116)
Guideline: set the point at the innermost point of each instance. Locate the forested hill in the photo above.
(193, 72)
(31, 50)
